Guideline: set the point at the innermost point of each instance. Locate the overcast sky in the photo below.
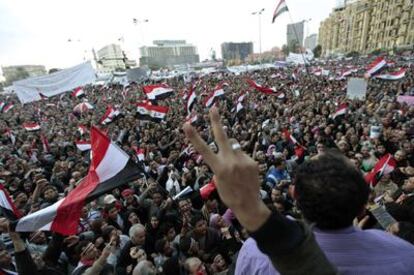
(37, 31)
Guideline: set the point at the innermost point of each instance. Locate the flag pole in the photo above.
(297, 38)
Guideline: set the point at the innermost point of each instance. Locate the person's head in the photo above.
(195, 266)
(112, 211)
(50, 193)
(38, 237)
(128, 195)
(157, 197)
(5, 258)
(163, 247)
(381, 149)
(168, 231)
(199, 224)
(279, 163)
(144, 268)
(86, 250)
(133, 218)
(137, 234)
(155, 221)
(399, 155)
(320, 147)
(408, 185)
(365, 152)
(330, 191)
(276, 194)
(219, 262)
(184, 205)
(343, 146)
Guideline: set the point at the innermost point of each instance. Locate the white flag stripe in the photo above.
(112, 163)
(4, 202)
(39, 220)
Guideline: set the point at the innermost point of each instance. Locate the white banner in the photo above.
(28, 90)
(357, 88)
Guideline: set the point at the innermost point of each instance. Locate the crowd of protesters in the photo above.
(144, 228)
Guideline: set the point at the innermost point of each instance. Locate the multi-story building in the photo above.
(367, 25)
(111, 58)
(168, 53)
(236, 51)
(311, 41)
(295, 33)
(14, 73)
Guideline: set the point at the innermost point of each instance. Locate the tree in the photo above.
(352, 54)
(53, 70)
(20, 74)
(317, 51)
(285, 50)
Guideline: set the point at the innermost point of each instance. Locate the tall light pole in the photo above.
(137, 22)
(259, 14)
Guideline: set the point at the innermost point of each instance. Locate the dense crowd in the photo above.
(152, 231)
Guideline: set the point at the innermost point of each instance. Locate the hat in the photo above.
(127, 192)
(109, 199)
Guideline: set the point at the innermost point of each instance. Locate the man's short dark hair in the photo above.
(196, 218)
(330, 191)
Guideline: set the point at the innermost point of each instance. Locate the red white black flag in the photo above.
(78, 92)
(218, 92)
(157, 92)
(110, 114)
(31, 126)
(151, 112)
(110, 168)
(7, 207)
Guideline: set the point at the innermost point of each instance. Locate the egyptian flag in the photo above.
(341, 110)
(260, 88)
(191, 99)
(83, 145)
(82, 129)
(290, 137)
(31, 126)
(218, 92)
(45, 143)
(110, 168)
(151, 112)
(375, 66)
(7, 207)
(2, 104)
(384, 166)
(110, 115)
(78, 92)
(140, 153)
(280, 8)
(157, 92)
(393, 76)
(207, 189)
(8, 107)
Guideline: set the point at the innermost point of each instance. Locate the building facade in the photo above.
(367, 25)
(311, 41)
(295, 36)
(111, 58)
(236, 51)
(168, 53)
(14, 73)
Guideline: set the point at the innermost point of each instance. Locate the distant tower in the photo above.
(212, 54)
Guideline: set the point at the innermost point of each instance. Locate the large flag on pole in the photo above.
(280, 8)
(110, 168)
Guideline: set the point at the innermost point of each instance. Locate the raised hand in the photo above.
(237, 174)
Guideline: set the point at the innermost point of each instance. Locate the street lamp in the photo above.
(259, 14)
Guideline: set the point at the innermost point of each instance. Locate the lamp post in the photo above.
(259, 14)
